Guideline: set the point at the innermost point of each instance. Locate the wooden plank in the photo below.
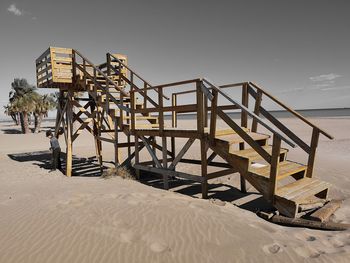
(245, 102)
(199, 162)
(213, 116)
(299, 222)
(173, 113)
(312, 154)
(252, 155)
(220, 173)
(149, 149)
(295, 186)
(274, 166)
(286, 168)
(69, 119)
(325, 212)
(161, 171)
(258, 101)
(179, 109)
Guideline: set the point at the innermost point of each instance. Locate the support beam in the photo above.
(69, 120)
(181, 153)
(149, 149)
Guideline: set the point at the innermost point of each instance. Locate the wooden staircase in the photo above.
(119, 103)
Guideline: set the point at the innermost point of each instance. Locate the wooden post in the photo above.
(173, 149)
(245, 102)
(164, 140)
(59, 112)
(244, 123)
(257, 110)
(69, 120)
(205, 111)
(200, 130)
(174, 113)
(204, 168)
(116, 148)
(312, 154)
(274, 166)
(213, 117)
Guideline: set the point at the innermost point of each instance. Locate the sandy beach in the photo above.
(47, 217)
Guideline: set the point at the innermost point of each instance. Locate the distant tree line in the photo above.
(25, 102)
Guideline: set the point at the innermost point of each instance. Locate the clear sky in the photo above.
(298, 50)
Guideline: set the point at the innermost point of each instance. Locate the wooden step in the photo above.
(302, 189)
(236, 139)
(223, 132)
(286, 168)
(144, 126)
(252, 155)
(141, 118)
(288, 197)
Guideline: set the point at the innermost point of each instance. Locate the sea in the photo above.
(310, 113)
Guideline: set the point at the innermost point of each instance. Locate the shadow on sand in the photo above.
(251, 201)
(87, 167)
(11, 131)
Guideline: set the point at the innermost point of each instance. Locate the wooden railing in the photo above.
(81, 66)
(257, 93)
(54, 66)
(115, 66)
(208, 94)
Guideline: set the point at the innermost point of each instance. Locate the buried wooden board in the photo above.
(326, 211)
(300, 222)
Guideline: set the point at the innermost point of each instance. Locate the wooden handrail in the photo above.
(250, 113)
(100, 72)
(291, 111)
(172, 84)
(222, 87)
(133, 72)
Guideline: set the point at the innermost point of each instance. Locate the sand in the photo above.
(47, 217)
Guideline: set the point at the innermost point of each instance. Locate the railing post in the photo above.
(245, 102)
(132, 109)
(164, 140)
(274, 166)
(203, 142)
(200, 109)
(213, 115)
(312, 154)
(174, 113)
(74, 72)
(121, 112)
(244, 123)
(258, 100)
(108, 64)
(145, 95)
(120, 74)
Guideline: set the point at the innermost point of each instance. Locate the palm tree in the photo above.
(43, 104)
(10, 111)
(22, 97)
(25, 105)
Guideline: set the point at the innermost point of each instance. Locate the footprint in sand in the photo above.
(158, 247)
(128, 237)
(306, 252)
(310, 238)
(272, 249)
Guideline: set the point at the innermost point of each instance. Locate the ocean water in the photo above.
(314, 113)
(319, 113)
